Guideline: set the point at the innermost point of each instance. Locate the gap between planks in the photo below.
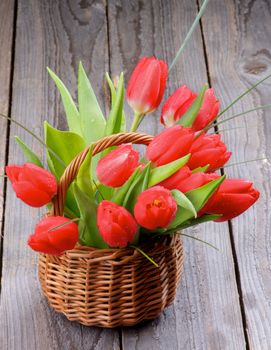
(12, 60)
(235, 260)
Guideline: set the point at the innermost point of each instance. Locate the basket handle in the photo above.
(72, 169)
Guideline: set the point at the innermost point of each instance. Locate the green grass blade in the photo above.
(243, 94)
(145, 255)
(200, 240)
(190, 32)
(35, 137)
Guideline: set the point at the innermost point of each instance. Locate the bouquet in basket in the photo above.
(101, 193)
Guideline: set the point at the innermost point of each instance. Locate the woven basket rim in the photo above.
(72, 169)
(125, 255)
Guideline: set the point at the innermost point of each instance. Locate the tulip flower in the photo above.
(208, 111)
(174, 181)
(116, 167)
(32, 184)
(181, 100)
(54, 235)
(146, 87)
(184, 180)
(176, 105)
(170, 144)
(233, 197)
(155, 208)
(208, 149)
(116, 225)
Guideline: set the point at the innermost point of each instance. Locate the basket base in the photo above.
(112, 288)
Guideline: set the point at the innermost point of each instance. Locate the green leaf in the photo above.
(103, 192)
(112, 89)
(114, 122)
(121, 192)
(91, 117)
(139, 185)
(89, 233)
(113, 99)
(28, 153)
(72, 113)
(198, 198)
(189, 117)
(165, 171)
(65, 144)
(83, 178)
(183, 202)
(201, 169)
(200, 195)
(197, 221)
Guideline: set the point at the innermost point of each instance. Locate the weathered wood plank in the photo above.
(206, 314)
(239, 54)
(6, 43)
(55, 34)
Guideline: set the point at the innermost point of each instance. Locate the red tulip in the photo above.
(170, 144)
(54, 235)
(116, 167)
(176, 105)
(147, 85)
(116, 225)
(181, 100)
(155, 208)
(208, 150)
(233, 197)
(208, 110)
(174, 181)
(184, 180)
(32, 184)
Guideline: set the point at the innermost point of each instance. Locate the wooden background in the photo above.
(224, 299)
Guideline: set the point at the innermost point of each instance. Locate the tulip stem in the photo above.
(190, 32)
(136, 121)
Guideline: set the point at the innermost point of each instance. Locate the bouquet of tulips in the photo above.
(120, 198)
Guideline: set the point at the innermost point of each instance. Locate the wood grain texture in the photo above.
(55, 34)
(239, 57)
(6, 43)
(206, 314)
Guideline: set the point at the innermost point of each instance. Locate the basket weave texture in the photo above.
(110, 287)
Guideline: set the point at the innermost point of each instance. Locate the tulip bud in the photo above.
(54, 235)
(116, 167)
(208, 150)
(176, 105)
(233, 197)
(147, 85)
(32, 184)
(181, 100)
(184, 180)
(173, 182)
(155, 208)
(170, 144)
(208, 111)
(116, 225)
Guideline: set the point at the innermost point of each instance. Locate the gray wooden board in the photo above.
(6, 30)
(206, 314)
(239, 54)
(55, 34)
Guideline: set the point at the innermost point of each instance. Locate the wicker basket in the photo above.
(110, 287)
